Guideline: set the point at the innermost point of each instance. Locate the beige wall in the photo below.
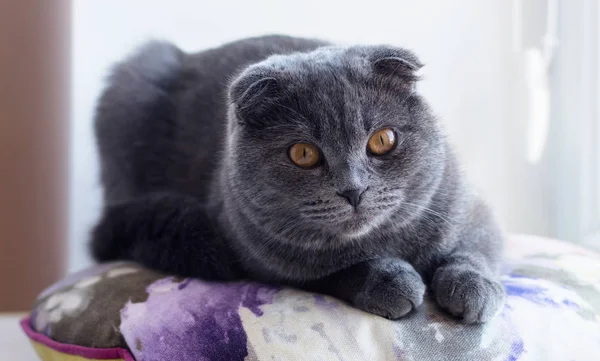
(34, 68)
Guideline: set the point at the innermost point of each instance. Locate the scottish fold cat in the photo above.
(297, 162)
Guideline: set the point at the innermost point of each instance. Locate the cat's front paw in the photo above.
(392, 289)
(468, 294)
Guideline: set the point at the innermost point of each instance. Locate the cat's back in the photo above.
(160, 122)
(230, 58)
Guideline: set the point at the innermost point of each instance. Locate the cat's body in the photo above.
(198, 179)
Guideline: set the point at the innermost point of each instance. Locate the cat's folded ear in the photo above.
(252, 94)
(395, 63)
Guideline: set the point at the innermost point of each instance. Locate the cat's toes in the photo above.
(392, 289)
(468, 294)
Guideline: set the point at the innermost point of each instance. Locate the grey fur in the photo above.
(216, 126)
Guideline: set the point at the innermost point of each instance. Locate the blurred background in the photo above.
(514, 81)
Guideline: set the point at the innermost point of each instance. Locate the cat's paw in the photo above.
(468, 294)
(392, 289)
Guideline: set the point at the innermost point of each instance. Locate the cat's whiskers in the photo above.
(316, 203)
(320, 209)
(387, 200)
(380, 207)
(429, 192)
(429, 211)
(336, 212)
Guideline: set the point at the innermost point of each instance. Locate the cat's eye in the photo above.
(304, 155)
(382, 142)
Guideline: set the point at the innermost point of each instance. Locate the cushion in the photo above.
(121, 311)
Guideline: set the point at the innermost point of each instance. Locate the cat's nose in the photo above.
(353, 196)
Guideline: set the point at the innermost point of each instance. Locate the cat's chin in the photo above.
(357, 226)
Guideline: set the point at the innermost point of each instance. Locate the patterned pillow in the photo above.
(120, 311)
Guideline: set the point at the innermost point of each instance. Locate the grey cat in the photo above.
(296, 162)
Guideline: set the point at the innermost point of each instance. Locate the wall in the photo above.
(468, 78)
(34, 43)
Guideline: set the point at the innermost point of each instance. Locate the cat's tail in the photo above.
(135, 118)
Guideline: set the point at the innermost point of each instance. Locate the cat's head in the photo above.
(335, 141)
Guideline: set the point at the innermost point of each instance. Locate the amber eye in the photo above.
(304, 155)
(382, 141)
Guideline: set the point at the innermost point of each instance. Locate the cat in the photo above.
(296, 162)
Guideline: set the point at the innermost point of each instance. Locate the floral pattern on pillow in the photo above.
(552, 312)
